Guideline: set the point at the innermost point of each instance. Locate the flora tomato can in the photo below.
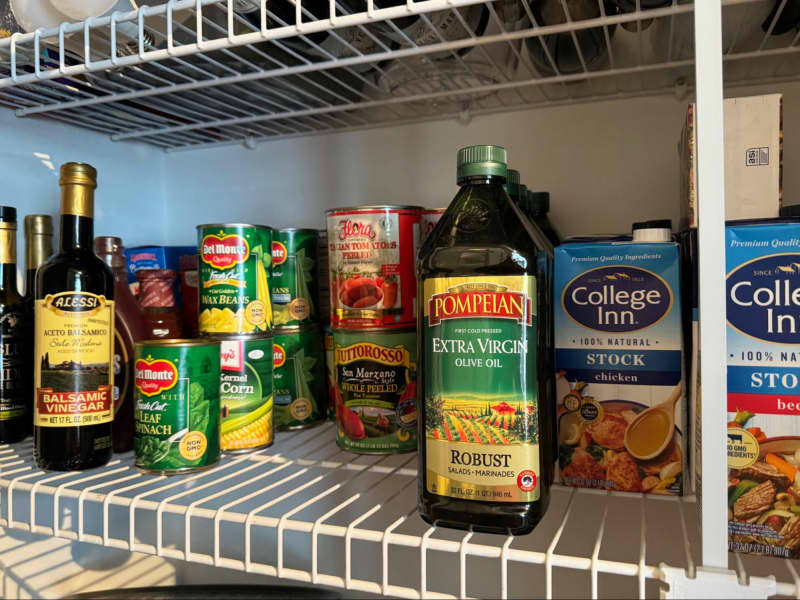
(372, 252)
(376, 390)
(430, 217)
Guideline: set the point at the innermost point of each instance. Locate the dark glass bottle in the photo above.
(486, 451)
(129, 327)
(157, 299)
(16, 336)
(74, 338)
(38, 248)
(539, 206)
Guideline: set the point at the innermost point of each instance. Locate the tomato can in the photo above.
(372, 252)
(428, 220)
(330, 371)
(299, 378)
(245, 393)
(234, 270)
(376, 390)
(177, 411)
(293, 279)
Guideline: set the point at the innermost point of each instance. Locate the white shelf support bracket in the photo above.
(711, 583)
(711, 231)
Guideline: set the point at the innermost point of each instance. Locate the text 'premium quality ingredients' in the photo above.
(299, 378)
(234, 278)
(371, 260)
(376, 390)
(177, 413)
(293, 281)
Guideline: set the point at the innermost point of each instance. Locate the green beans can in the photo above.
(299, 378)
(235, 261)
(177, 412)
(245, 391)
(376, 390)
(294, 278)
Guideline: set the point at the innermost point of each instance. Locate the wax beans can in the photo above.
(245, 393)
(299, 378)
(372, 252)
(330, 371)
(293, 280)
(177, 410)
(430, 217)
(234, 278)
(376, 390)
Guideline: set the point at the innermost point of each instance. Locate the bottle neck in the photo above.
(77, 217)
(8, 258)
(39, 247)
(482, 180)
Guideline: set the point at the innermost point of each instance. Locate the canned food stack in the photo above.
(373, 345)
(299, 380)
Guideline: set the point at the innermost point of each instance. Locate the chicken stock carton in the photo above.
(763, 357)
(619, 367)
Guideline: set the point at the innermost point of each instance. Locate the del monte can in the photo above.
(293, 281)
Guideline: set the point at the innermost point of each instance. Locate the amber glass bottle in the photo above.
(157, 299)
(74, 338)
(479, 361)
(129, 327)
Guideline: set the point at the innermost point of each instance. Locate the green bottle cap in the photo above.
(481, 160)
(512, 183)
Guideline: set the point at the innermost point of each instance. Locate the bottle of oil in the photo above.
(486, 452)
(74, 338)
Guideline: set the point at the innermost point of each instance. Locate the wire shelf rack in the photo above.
(196, 73)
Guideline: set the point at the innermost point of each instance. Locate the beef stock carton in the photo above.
(763, 373)
(619, 353)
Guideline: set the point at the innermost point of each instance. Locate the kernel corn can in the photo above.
(372, 251)
(293, 280)
(376, 390)
(299, 378)
(245, 393)
(234, 278)
(330, 371)
(176, 418)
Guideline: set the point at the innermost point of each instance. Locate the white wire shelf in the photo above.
(194, 73)
(304, 510)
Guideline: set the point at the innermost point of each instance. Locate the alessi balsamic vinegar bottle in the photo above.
(486, 451)
(74, 338)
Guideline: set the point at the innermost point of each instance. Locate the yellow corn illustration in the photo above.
(257, 433)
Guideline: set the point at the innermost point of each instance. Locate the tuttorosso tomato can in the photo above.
(375, 390)
(428, 220)
(372, 258)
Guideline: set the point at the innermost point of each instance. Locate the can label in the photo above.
(372, 258)
(293, 281)
(299, 379)
(74, 376)
(177, 406)
(481, 409)
(245, 389)
(376, 391)
(234, 282)
(330, 372)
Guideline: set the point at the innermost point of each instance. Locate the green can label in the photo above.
(293, 281)
(234, 282)
(245, 393)
(299, 379)
(376, 391)
(481, 405)
(177, 406)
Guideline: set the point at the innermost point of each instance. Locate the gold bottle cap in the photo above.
(78, 173)
(38, 225)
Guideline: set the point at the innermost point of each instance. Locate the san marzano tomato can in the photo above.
(371, 263)
(375, 390)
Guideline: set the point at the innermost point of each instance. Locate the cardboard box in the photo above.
(154, 257)
(753, 158)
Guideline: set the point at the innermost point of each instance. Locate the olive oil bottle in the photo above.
(74, 338)
(486, 431)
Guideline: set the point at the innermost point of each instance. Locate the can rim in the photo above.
(238, 337)
(177, 342)
(253, 225)
(366, 207)
(407, 329)
(295, 329)
(433, 210)
(295, 229)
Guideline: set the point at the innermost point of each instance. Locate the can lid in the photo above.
(38, 225)
(657, 230)
(178, 342)
(110, 250)
(539, 202)
(481, 160)
(78, 173)
(653, 224)
(207, 225)
(8, 214)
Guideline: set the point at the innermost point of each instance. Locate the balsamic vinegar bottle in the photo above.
(16, 376)
(74, 338)
(486, 451)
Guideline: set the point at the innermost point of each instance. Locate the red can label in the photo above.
(372, 253)
(430, 217)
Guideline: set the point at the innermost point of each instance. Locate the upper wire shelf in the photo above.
(193, 73)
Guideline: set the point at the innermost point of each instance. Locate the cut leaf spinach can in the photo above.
(299, 378)
(177, 412)
(293, 281)
(245, 391)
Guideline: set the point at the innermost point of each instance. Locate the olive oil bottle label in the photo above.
(481, 408)
(74, 375)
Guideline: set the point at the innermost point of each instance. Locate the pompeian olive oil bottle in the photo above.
(74, 338)
(486, 451)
